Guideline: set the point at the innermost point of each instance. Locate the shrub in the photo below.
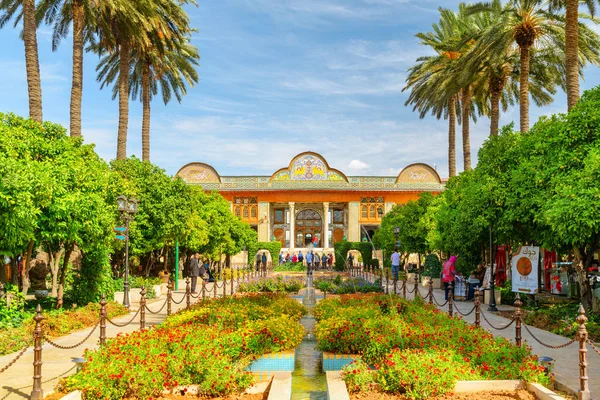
(290, 267)
(433, 266)
(12, 316)
(272, 285)
(352, 285)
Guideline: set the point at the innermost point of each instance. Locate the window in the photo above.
(245, 212)
(371, 208)
(279, 213)
(364, 212)
(338, 216)
(246, 208)
(237, 211)
(253, 212)
(372, 212)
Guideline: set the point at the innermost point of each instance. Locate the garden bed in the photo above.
(412, 348)
(278, 284)
(339, 285)
(210, 345)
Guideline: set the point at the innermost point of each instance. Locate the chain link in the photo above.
(436, 302)
(178, 302)
(10, 364)
(596, 350)
(156, 312)
(58, 346)
(122, 325)
(494, 327)
(461, 313)
(547, 345)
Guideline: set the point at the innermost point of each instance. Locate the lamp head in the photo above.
(122, 203)
(396, 230)
(132, 206)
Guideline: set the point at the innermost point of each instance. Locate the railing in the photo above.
(240, 275)
(371, 274)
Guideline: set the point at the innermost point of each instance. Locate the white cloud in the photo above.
(358, 165)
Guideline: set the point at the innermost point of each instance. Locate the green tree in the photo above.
(25, 10)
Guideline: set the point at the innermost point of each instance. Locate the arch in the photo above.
(197, 172)
(418, 173)
(308, 225)
(308, 166)
(258, 257)
(337, 235)
(279, 234)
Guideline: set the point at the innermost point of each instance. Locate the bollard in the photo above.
(143, 308)
(404, 286)
(231, 283)
(395, 285)
(518, 317)
(38, 393)
(203, 289)
(477, 307)
(430, 290)
(224, 286)
(582, 335)
(450, 298)
(187, 293)
(103, 320)
(215, 289)
(416, 284)
(169, 296)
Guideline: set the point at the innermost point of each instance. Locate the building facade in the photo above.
(309, 205)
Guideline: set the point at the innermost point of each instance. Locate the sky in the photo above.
(276, 78)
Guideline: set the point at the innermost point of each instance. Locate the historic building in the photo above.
(308, 204)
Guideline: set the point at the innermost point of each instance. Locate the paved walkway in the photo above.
(17, 381)
(566, 360)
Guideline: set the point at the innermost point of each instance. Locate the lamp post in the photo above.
(127, 209)
(492, 306)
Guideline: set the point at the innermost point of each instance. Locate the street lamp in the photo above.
(127, 208)
(396, 234)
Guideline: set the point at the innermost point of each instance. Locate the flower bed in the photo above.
(278, 284)
(416, 349)
(56, 323)
(338, 285)
(209, 345)
(290, 267)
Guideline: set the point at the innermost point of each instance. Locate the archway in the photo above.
(356, 257)
(309, 226)
(258, 258)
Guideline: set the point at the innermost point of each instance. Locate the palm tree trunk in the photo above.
(77, 80)
(572, 52)
(524, 89)
(452, 136)
(466, 137)
(32, 63)
(124, 57)
(495, 113)
(146, 114)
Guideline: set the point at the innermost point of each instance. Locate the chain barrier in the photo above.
(195, 296)
(122, 325)
(178, 302)
(494, 327)
(413, 290)
(596, 350)
(436, 302)
(157, 312)
(547, 345)
(461, 313)
(10, 364)
(58, 346)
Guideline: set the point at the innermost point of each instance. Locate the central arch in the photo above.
(309, 226)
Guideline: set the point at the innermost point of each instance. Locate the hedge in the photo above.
(273, 247)
(342, 248)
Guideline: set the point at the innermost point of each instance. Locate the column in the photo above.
(264, 221)
(388, 207)
(292, 206)
(353, 221)
(326, 225)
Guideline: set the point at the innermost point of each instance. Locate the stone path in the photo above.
(17, 381)
(566, 360)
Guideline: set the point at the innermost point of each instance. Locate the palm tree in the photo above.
(60, 14)
(170, 72)
(528, 24)
(10, 9)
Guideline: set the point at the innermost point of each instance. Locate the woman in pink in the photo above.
(448, 274)
(294, 258)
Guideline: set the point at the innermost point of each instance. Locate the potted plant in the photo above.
(164, 274)
(432, 270)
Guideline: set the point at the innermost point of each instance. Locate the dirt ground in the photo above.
(499, 395)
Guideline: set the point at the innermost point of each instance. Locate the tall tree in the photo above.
(8, 10)
(60, 14)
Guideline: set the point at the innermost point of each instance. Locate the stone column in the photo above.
(292, 206)
(264, 221)
(326, 225)
(353, 221)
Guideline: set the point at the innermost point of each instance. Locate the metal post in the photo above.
(176, 265)
(215, 289)
(143, 308)
(37, 393)
(169, 296)
(450, 298)
(404, 286)
(103, 320)
(518, 317)
(203, 289)
(584, 390)
(188, 293)
(477, 307)
(224, 286)
(417, 285)
(492, 306)
(126, 280)
(387, 282)
(430, 290)
(231, 282)
(395, 285)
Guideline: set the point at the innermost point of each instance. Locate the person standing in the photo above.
(258, 260)
(309, 259)
(264, 261)
(194, 271)
(324, 261)
(280, 258)
(395, 263)
(448, 274)
(300, 256)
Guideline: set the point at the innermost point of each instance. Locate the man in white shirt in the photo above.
(395, 264)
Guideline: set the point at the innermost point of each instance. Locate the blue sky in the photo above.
(277, 77)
